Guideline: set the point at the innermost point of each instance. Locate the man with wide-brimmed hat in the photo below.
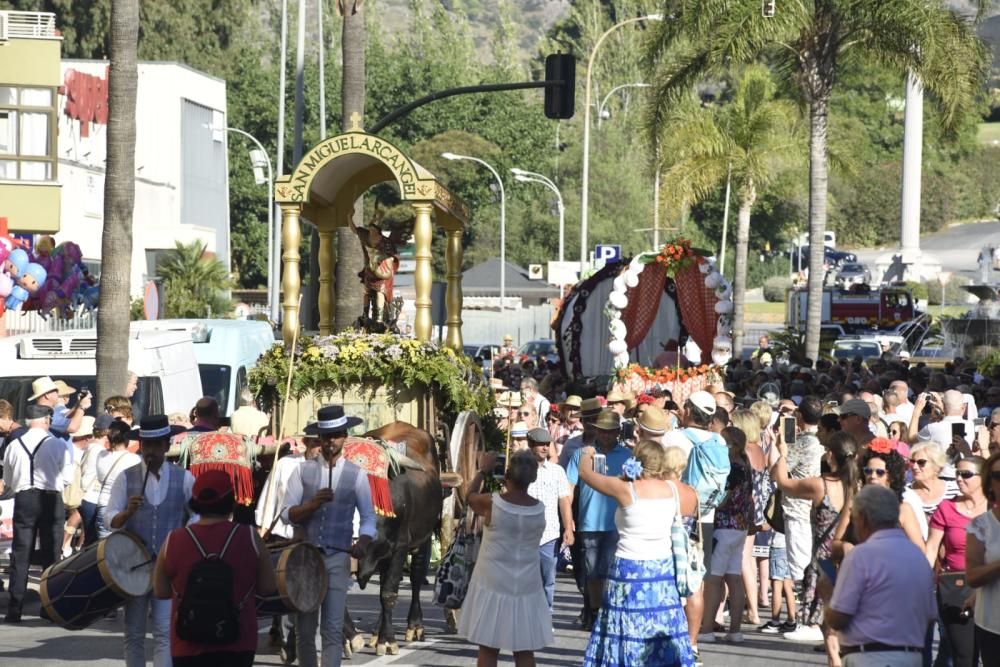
(595, 523)
(590, 408)
(321, 497)
(652, 424)
(65, 421)
(570, 425)
(149, 500)
(552, 489)
(35, 469)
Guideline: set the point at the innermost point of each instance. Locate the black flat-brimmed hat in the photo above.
(154, 427)
(331, 419)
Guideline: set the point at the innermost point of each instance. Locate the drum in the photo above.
(302, 582)
(84, 588)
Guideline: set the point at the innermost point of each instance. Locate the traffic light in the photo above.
(559, 98)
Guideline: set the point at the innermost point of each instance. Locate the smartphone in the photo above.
(601, 464)
(500, 467)
(958, 430)
(788, 430)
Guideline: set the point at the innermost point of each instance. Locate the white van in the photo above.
(164, 361)
(226, 350)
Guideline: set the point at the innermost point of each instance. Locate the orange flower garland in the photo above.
(663, 375)
(677, 256)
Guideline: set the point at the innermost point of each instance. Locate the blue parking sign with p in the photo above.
(607, 253)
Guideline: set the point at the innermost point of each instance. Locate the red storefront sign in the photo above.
(86, 99)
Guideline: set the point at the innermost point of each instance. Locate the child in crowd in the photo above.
(781, 584)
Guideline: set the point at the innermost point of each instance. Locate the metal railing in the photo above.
(31, 25)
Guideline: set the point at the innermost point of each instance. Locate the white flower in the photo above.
(617, 347)
(618, 285)
(617, 329)
(631, 279)
(713, 280)
(618, 300)
(621, 360)
(724, 307)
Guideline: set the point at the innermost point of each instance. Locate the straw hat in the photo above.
(41, 386)
(64, 389)
(653, 420)
(496, 384)
(590, 408)
(509, 399)
(616, 396)
(519, 430)
(572, 401)
(608, 420)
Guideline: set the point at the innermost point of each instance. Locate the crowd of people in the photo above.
(851, 505)
(832, 495)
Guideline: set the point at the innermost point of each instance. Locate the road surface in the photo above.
(37, 643)
(956, 247)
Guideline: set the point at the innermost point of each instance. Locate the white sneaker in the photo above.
(805, 633)
(733, 638)
(706, 638)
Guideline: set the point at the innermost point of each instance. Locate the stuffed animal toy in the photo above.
(27, 284)
(13, 266)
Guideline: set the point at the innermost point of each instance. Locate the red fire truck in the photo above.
(859, 307)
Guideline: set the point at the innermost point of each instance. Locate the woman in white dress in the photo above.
(505, 608)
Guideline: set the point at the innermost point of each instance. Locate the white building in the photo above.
(181, 168)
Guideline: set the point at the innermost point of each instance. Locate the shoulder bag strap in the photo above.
(114, 465)
(196, 542)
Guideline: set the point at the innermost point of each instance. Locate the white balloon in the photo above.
(724, 307)
(631, 279)
(618, 300)
(617, 346)
(617, 329)
(713, 280)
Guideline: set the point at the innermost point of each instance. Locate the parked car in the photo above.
(537, 348)
(485, 351)
(852, 273)
(831, 258)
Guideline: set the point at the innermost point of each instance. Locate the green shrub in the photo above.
(953, 292)
(775, 288)
(919, 290)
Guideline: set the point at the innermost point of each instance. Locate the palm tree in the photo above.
(119, 201)
(194, 282)
(747, 139)
(805, 40)
(350, 259)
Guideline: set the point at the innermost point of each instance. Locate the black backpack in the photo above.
(206, 613)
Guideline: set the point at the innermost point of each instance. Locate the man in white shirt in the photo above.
(321, 497)
(590, 408)
(36, 466)
(529, 394)
(149, 500)
(904, 409)
(247, 419)
(552, 489)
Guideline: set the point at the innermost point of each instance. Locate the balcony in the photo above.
(27, 25)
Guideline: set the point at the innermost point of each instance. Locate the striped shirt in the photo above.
(550, 485)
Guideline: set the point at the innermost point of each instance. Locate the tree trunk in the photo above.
(818, 183)
(119, 200)
(350, 260)
(749, 196)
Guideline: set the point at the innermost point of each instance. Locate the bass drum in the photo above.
(302, 580)
(82, 589)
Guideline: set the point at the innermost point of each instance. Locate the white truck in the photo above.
(164, 362)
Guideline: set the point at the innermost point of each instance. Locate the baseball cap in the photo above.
(211, 488)
(856, 406)
(704, 401)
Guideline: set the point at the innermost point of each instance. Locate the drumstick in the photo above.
(144, 480)
(151, 560)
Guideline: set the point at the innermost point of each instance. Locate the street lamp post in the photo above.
(600, 108)
(503, 220)
(531, 177)
(585, 195)
(257, 157)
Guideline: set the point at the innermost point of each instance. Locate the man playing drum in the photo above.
(150, 500)
(36, 467)
(321, 496)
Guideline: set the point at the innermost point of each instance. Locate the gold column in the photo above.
(327, 260)
(423, 276)
(453, 295)
(291, 281)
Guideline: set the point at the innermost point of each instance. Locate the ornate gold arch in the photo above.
(323, 188)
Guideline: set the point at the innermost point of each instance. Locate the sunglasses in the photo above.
(524, 413)
(878, 472)
(920, 463)
(965, 474)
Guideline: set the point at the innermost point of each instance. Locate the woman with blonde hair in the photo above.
(927, 460)
(641, 620)
(754, 424)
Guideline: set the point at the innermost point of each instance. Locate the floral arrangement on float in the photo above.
(704, 297)
(354, 360)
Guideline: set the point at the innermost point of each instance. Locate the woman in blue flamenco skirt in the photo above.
(641, 620)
